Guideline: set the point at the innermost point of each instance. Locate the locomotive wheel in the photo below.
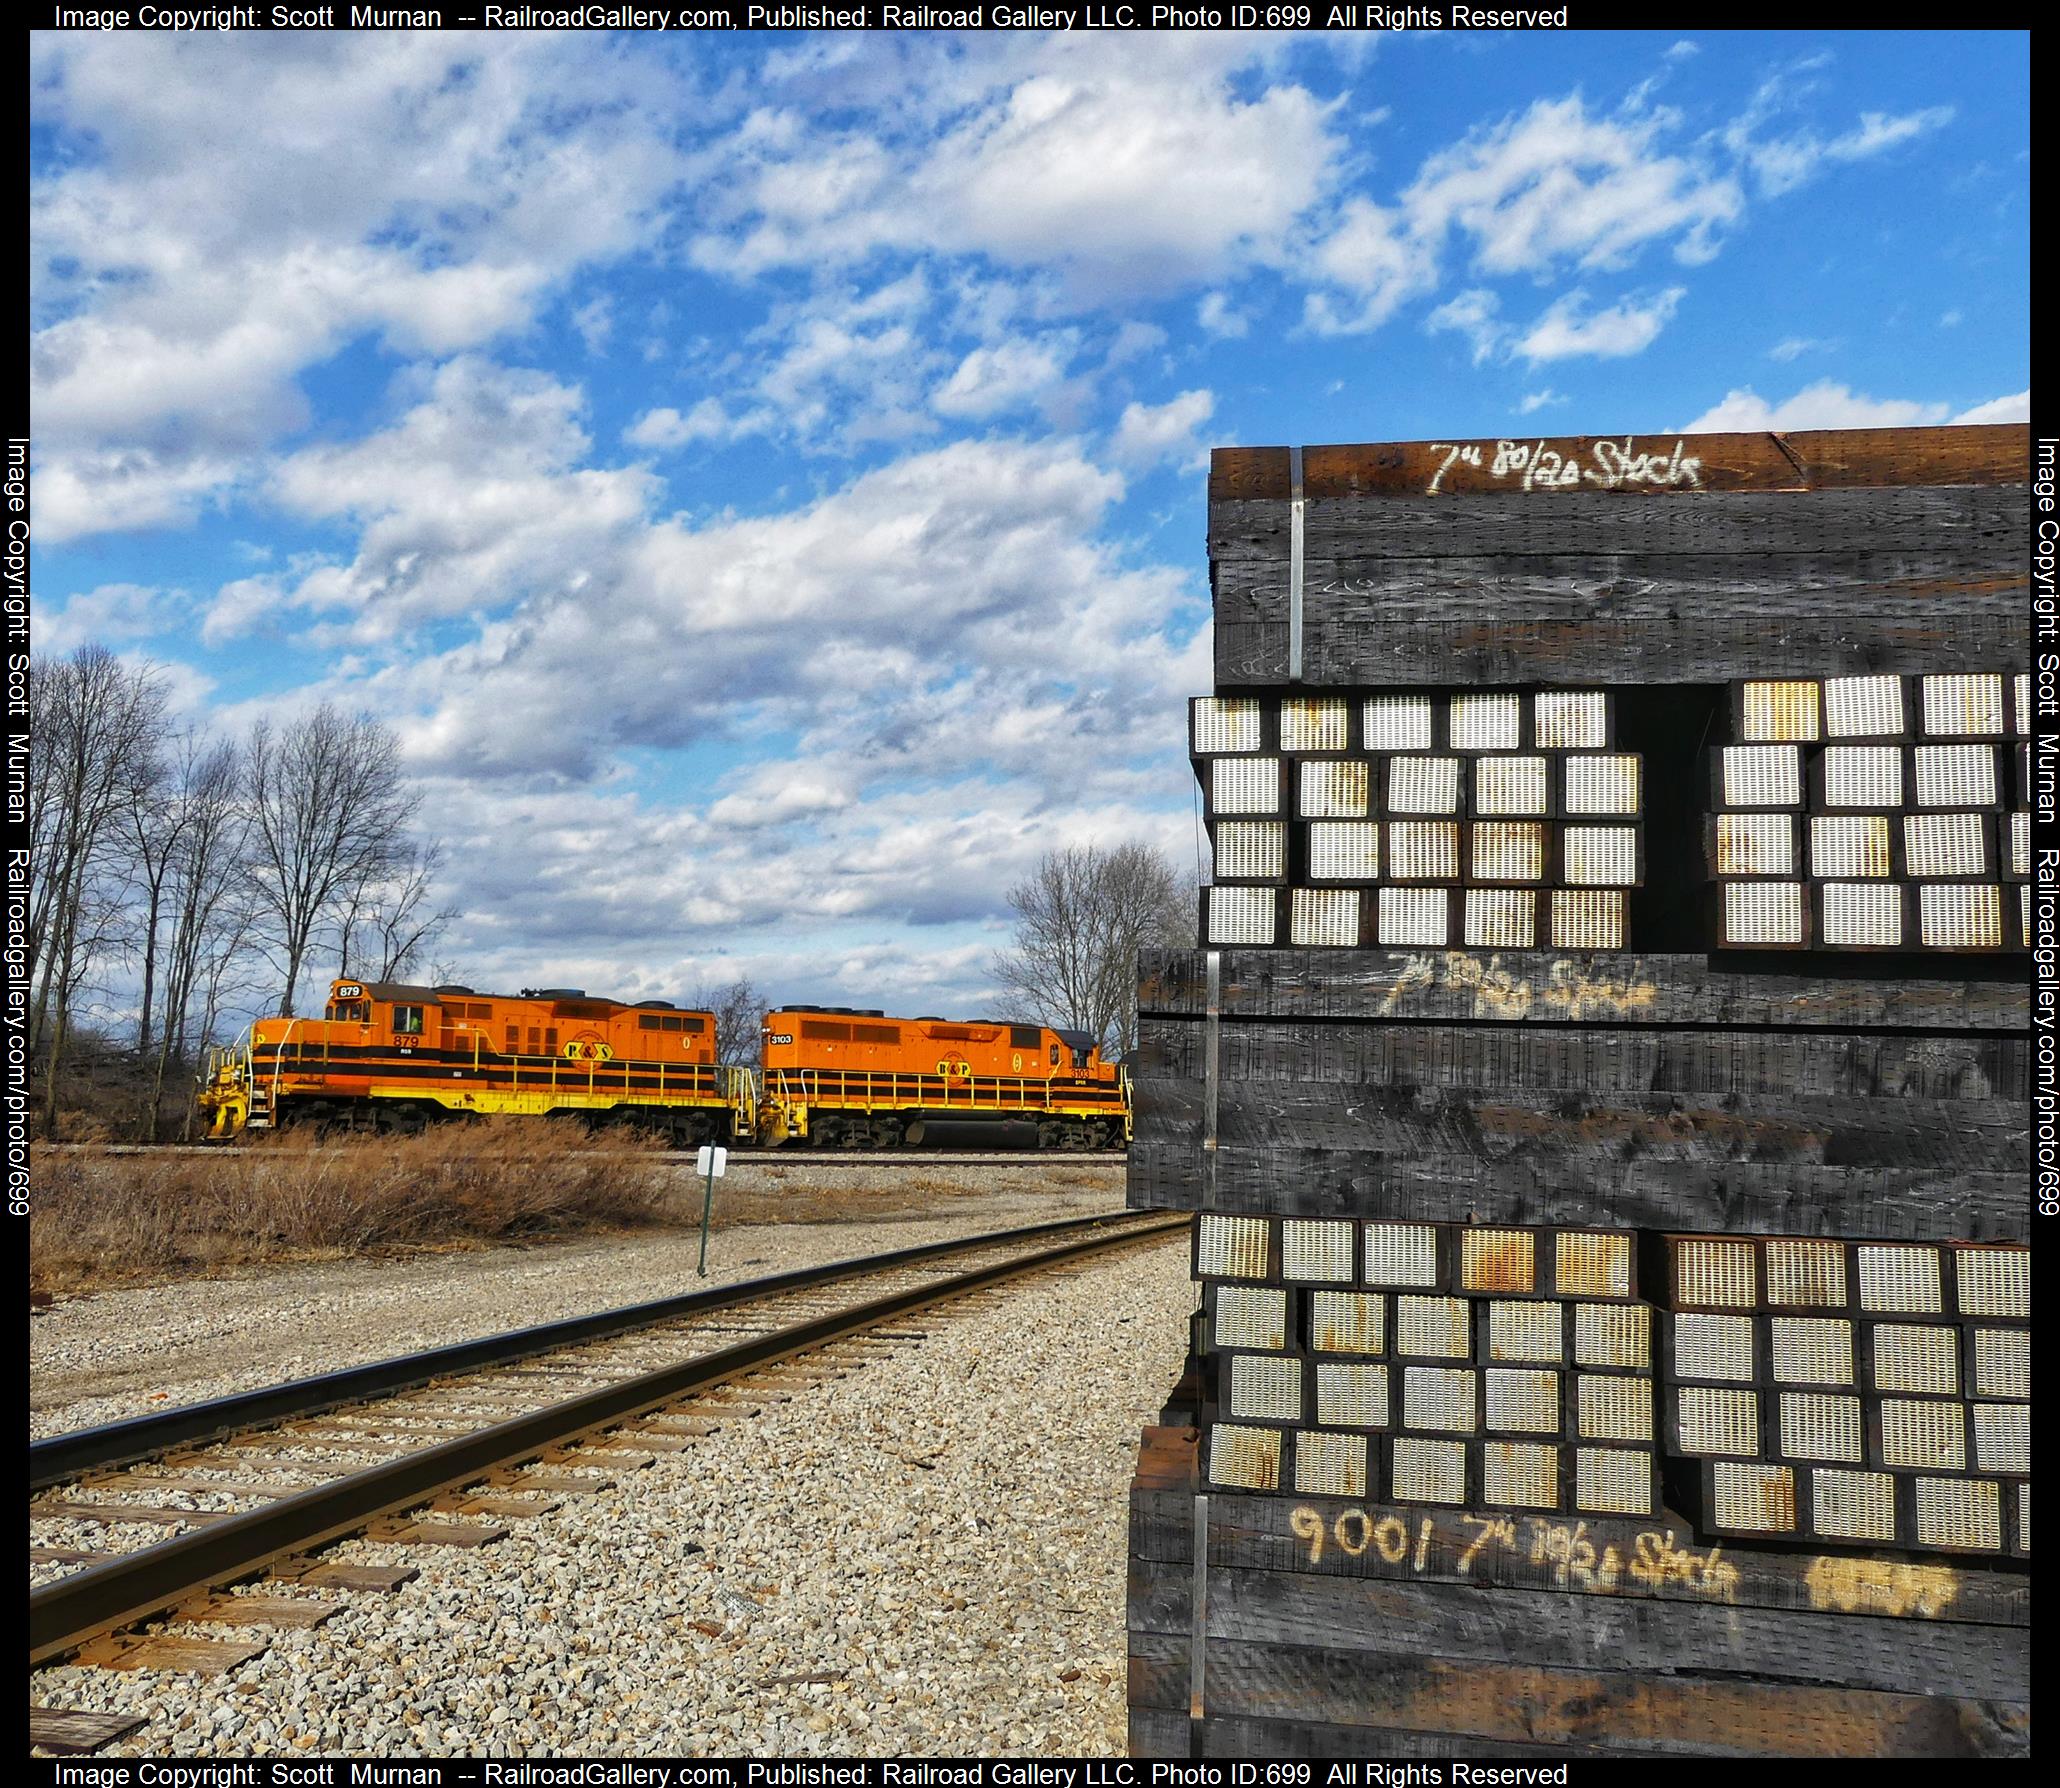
(826, 1133)
(1049, 1135)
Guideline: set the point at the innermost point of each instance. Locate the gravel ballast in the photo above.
(924, 1557)
(115, 1354)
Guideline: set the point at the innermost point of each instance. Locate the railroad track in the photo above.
(256, 1484)
(739, 1156)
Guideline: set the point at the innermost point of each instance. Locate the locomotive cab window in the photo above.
(407, 1021)
(350, 1011)
(1054, 1055)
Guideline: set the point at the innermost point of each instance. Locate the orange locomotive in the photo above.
(392, 1056)
(836, 1077)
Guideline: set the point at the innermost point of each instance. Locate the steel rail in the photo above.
(75, 1609)
(64, 1456)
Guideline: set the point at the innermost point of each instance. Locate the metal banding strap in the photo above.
(1296, 504)
(1212, 1074)
(1198, 1628)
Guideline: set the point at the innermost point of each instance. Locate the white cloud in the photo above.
(1119, 177)
(1006, 376)
(1825, 404)
(1555, 185)
(1472, 314)
(1569, 328)
(108, 614)
(1375, 262)
(1951, 319)
(428, 192)
(473, 500)
(595, 321)
(107, 490)
(1780, 163)
(902, 617)
(667, 428)
(1877, 131)
(2014, 408)
(1153, 434)
(1133, 339)
(1218, 319)
(1535, 401)
(1794, 346)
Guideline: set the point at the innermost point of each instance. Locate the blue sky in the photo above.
(761, 478)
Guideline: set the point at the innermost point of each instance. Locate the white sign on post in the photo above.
(711, 1162)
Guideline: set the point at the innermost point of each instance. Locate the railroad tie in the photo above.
(257, 1611)
(507, 1508)
(605, 1451)
(112, 1514)
(179, 1652)
(562, 1482)
(434, 1533)
(74, 1731)
(322, 1574)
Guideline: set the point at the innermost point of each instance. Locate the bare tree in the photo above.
(385, 923)
(328, 814)
(91, 755)
(739, 1010)
(205, 901)
(1081, 919)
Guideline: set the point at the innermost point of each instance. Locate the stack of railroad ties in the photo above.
(1842, 1391)
(1576, 1223)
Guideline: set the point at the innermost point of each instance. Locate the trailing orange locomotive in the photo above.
(396, 1057)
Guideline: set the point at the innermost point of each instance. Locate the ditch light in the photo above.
(1588, 919)
(1500, 919)
(1763, 916)
(1252, 1316)
(1245, 785)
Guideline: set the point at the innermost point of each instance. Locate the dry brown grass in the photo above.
(106, 1219)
